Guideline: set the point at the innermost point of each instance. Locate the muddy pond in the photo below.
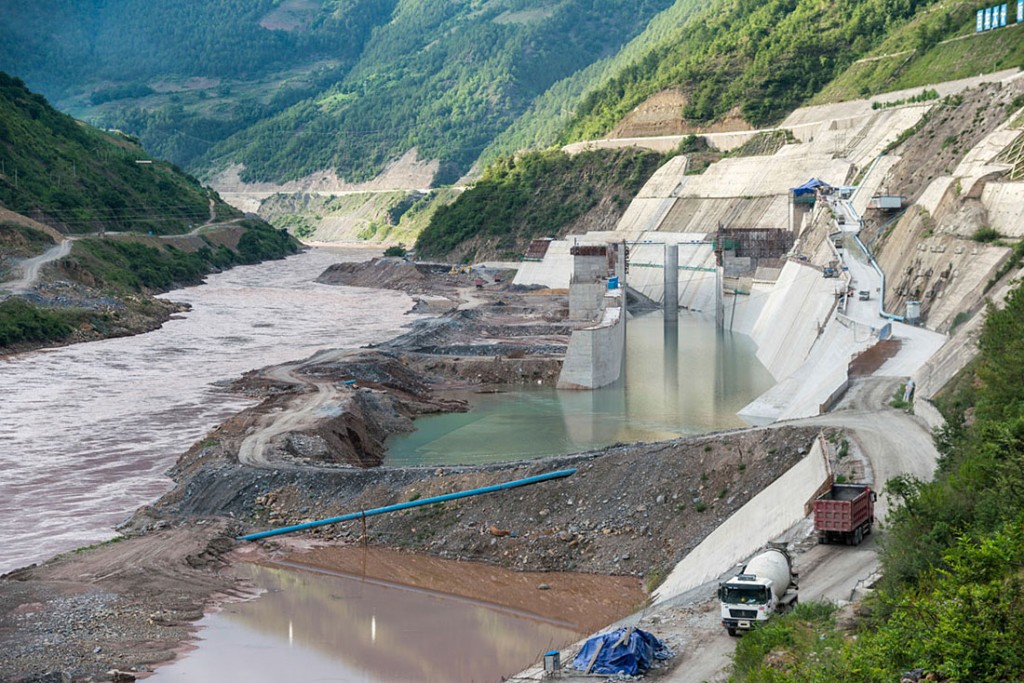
(368, 614)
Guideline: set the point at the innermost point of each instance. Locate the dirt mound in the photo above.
(662, 114)
(119, 605)
(868, 361)
(390, 273)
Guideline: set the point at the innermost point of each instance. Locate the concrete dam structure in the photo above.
(597, 303)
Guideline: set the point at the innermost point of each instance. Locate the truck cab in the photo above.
(765, 586)
(746, 600)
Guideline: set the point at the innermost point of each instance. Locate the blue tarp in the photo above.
(809, 187)
(629, 651)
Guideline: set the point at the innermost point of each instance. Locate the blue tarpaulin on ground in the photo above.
(809, 187)
(629, 651)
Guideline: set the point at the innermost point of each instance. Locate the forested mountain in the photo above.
(79, 179)
(756, 59)
(289, 87)
(292, 87)
(140, 226)
(760, 60)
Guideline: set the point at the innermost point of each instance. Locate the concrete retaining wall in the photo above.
(765, 517)
(594, 356)
(787, 327)
(1005, 205)
(585, 300)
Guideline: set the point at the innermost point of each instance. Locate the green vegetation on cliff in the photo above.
(129, 265)
(79, 179)
(758, 59)
(107, 283)
(953, 550)
(939, 44)
(536, 194)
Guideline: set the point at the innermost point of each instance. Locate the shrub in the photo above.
(20, 322)
(985, 235)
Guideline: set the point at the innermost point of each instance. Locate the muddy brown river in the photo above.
(88, 431)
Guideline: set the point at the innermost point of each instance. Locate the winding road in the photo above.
(31, 267)
(893, 443)
(303, 411)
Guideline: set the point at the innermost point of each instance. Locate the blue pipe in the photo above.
(411, 504)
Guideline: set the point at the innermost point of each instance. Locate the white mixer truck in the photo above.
(765, 586)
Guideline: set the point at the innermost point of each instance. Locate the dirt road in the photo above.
(30, 267)
(892, 442)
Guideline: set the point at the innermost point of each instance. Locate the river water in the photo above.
(88, 431)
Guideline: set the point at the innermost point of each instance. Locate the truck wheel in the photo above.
(858, 536)
(732, 632)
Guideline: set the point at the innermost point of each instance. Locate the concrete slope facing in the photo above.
(767, 176)
(814, 382)
(769, 514)
(705, 214)
(644, 214)
(792, 318)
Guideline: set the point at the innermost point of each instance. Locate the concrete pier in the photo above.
(671, 282)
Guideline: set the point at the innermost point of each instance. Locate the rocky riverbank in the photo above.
(631, 509)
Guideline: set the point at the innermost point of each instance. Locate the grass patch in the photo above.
(897, 401)
(788, 641)
(22, 322)
(959, 319)
(655, 578)
(985, 235)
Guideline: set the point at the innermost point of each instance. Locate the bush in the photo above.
(21, 322)
(985, 235)
(395, 250)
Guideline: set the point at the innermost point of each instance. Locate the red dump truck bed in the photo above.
(845, 512)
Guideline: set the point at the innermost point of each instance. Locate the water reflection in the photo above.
(436, 624)
(679, 379)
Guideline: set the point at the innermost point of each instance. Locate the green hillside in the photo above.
(79, 179)
(538, 194)
(140, 228)
(289, 87)
(540, 126)
(760, 59)
(939, 44)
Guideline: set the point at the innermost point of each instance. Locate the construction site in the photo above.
(850, 262)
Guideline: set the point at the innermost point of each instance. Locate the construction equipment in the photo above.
(846, 512)
(765, 586)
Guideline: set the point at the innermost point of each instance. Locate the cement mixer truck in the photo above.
(765, 586)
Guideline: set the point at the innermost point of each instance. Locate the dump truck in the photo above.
(764, 587)
(845, 513)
